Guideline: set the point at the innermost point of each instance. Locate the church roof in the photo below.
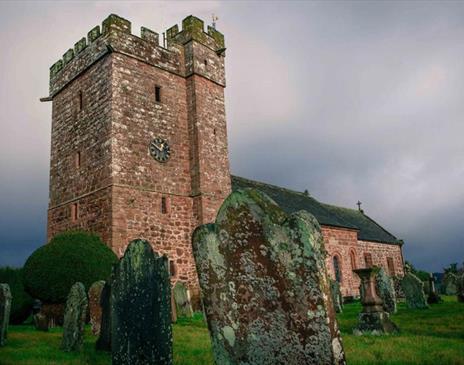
(328, 215)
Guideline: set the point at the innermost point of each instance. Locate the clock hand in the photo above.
(158, 148)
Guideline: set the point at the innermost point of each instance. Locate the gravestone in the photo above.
(386, 291)
(373, 319)
(449, 284)
(74, 318)
(104, 340)
(432, 297)
(40, 322)
(141, 308)
(460, 287)
(337, 298)
(265, 288)
(182, 300)
(173, 308)
(5, 309)
(413, 289)
(94, 306)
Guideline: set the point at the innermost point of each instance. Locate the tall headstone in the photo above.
(75, 315)
(5, 309)
(373, 319)
(141, 308)
(182, 299)
(104, 340)
(41, 322)
(95, 310)
(386, 291)
(449, 283)
(413, 289)
(264, 284)
(433, 297)
(337, 298)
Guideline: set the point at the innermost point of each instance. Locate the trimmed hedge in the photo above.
(69, 257)
(21, 304)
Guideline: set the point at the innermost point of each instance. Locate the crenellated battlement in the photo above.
(116, 35)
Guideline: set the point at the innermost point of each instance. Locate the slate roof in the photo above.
(329, 215)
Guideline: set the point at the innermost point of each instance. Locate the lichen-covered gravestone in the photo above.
(40, 322)
(5, 308)
(265, 288)
(182, 299)
(104, 340)
(74, 318)
(337, 298)
(386, 291)
(413, 289)
(95, 307)
(141, 308)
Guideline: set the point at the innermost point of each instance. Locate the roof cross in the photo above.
(359, 205)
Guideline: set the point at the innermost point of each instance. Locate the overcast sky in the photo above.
(350, 100)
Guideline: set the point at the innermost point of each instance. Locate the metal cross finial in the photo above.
(215, 18)
(359, 205)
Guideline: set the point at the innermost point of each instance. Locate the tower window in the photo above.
(353, 260)
(81, 104)
(206, 63)
(77, 159)
(74, 211)
(172, 268)
(164, 205)
(158, 94)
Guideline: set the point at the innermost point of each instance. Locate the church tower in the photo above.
(139, 138)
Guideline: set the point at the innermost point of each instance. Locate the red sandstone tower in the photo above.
(139, 139)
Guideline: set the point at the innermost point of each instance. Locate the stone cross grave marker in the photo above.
(95, 309)
(75, 315)
(5, 309)
(265, 288)
(182, 299)
(386, 291)
(373, 319)
(141, 308)
(413, 289)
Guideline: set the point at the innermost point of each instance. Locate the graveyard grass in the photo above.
(433, 336)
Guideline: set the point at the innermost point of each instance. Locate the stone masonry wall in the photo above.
(344, 244)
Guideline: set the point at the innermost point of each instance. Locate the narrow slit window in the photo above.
(172, 268)
(74, 211)
(81, 103)
(158, 94)
(391, 266)
(164, 205)
(77, 159)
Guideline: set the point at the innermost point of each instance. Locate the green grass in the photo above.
(434, 336)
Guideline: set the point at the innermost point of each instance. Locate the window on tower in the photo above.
(74, 211)
(158, 94)
(81, 103)
(164, 205)
(77, 159)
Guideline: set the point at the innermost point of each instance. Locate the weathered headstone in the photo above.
(337, 298)
(373, 319)
(386, 291)
(104, 340)
(182, 299)
(173, 308)
(141, 330)
(94, 306)
(413, 289)
(432, 297)
(5, 309)
(265, 287)
(449, 283)
(460, 287)
(74, 318)
(40, 322)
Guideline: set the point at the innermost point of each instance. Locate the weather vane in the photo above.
(215, 19)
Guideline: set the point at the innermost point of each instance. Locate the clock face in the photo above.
(159, 150)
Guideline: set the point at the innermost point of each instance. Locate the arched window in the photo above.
(337, 269)
(353, 260)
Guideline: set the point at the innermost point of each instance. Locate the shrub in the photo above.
(21, 304)
(69, 257)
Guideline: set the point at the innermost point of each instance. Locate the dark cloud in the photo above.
(350, 100)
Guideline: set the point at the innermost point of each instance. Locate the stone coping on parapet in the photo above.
(115, 36)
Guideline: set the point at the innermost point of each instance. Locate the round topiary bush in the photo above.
(69, 257)
(21, 304)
